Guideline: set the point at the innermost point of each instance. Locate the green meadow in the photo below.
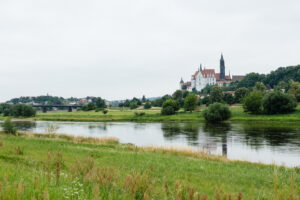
(50, 166)
(153, 115)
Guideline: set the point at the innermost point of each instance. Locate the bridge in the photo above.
(45, 107)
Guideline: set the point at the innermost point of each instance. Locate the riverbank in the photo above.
(153, 115)
(61, 167)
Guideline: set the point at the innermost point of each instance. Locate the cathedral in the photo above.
(203, 77)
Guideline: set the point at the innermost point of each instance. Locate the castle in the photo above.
(203, 77)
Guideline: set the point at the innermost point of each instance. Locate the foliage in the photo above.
(159, 101)
(100, 103)
(217, 112)
(228, 98)
(185, 93)
(105, 111)
(216, 95)
(169, 107)
(190, 102)
(147, 105)
(240, 94)
(144, 99)
(177, 95)
(90, 106)
(279, 103)
(206, 101)
(260, 87)
(295, 89)
(283, 74)
(9, 127)
(253, 102)
(138, 114)
(20, 110)
(250, 80)
(133, 105)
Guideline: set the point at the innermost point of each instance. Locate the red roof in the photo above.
(207, 72)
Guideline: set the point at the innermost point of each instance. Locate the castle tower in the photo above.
(222, 68)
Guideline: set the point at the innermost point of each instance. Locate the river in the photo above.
(268, 142)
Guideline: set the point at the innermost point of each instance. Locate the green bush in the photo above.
(19, 110)
(138, 114)
(133, 105)
(89, 107)
(190, 102)
(217, 112)
(170, 107)
(105, 112)
(147, 105)
(9, 127)
(253, 102)
(279, 103)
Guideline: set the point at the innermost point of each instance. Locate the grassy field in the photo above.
(153, 115)
(42, 167)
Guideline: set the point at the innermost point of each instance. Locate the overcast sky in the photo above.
(119, 49)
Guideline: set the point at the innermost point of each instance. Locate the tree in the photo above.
(216, 94)
(22, 110)
(185, 93)
(90, 106)
(190, 102)
(228, 98)
(250, 80)
(177, 95)
(240, 94)
(206, 100)
(295, 89)
(100, 103)
(133, 105)
(9, 127)
(169, 107)
(143, 99)
(217, 112)
(260, 87)
(147, 105)
(279, 103)
(253, 102)
(282, 86)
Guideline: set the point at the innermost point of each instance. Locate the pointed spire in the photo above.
(200, 67)
(222, 56)
(181, 81)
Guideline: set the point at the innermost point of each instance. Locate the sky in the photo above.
(120, 49)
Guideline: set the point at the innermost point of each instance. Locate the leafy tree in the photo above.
(185, 93)
(100, 103)
(169, 107)
(177, 95)
(138, 102)
(190, 102)
(90, 106)
(253, 102)
(217, 112)
(22, 110)
(126, 103)
(282, 86)
(260, 87)
(216, 94)
(295, 89)
(105, 111)
(133, 105)
(283, 74)
(147, 105)
(9, 127)
(206, 100)
(278, 103)
(144, 99)
(228, 98)
(250, 80)
(240, 94)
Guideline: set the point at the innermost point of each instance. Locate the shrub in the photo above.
(21, 110)
(88, 107)
(133, 105)
(216, 95)
(253, 102)
(9, 127)
(147, 105)
(190, 102)
(138, 114)
(169, 107)
(217, 112)
(279, 103)
(228, 98)
(240, 94)
(105, 112)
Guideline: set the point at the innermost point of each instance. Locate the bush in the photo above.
(217, 112)
(240, 94)
(9, 127)
(147, 105)
(169, 107)
(133, 105)
(228, 98)
(190, 102)
(279, 103)
(89, 107)
(138, 114)
(253, 102)
(216, 95)
(105, 112)
(20, 110)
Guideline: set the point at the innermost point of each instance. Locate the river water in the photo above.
(271, 142)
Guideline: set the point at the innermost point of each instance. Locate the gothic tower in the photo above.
(222, 68)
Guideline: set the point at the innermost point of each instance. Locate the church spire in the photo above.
(200, 67)
(222, 68)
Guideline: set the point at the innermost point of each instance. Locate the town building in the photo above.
(203, 77)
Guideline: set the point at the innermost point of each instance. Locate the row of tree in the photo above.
(18, 110)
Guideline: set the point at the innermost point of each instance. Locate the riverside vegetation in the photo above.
(53, 166)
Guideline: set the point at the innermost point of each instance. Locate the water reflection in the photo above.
(25, 125)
